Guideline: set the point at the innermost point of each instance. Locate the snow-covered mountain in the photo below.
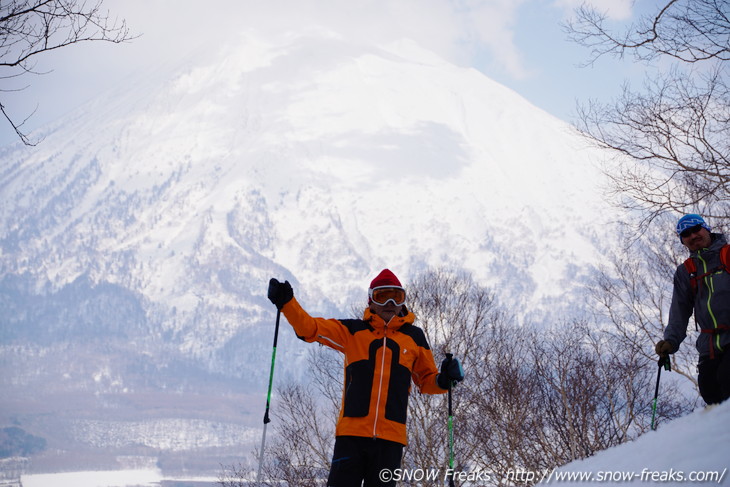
(138, 239)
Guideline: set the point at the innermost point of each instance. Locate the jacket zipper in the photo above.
(380, 382)
(709, 283)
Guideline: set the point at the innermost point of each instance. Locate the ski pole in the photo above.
(449, 356)
(665, 363)
(268, 396)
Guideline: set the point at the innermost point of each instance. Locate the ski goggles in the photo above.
(382, 294)
(689, 231)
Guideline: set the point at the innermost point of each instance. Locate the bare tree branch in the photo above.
(690, 31)
(672, 137)
(18, 126)
(29, 28)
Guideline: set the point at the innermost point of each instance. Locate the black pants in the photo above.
(714, 378)
(357, 459)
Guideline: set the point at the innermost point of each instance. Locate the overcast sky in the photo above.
(519, 43)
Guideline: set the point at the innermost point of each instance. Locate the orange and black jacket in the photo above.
(381, 359)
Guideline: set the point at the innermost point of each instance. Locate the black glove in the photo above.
(280, 293)
(451, 371)
(664, 348)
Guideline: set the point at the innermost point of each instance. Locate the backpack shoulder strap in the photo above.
(694, 279)
(691, 267)
(725, 257)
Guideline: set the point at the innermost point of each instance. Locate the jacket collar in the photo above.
(718, 240)
(395, 323)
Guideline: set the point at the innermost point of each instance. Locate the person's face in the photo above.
(386, 311)
(696, 238)
(383, 301)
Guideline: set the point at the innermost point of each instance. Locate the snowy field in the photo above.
(120, 478)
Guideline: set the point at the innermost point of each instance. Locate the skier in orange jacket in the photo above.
(384, 352)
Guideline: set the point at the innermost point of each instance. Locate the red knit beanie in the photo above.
(385, 278)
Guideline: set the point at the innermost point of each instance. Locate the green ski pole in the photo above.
(268, 397)
(665, 363)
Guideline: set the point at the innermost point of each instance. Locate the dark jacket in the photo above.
(381, 359)
(711, 305)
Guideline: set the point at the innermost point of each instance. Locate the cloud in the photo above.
(457, 30)
(464, 32)
(490, 26)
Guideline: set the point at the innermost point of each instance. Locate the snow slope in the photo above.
(692, 450)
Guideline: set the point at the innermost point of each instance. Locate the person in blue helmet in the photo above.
(702, 287)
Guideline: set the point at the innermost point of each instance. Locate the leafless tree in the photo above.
(675, 131)
(303, 438)
(305, 430)
(672, 137)
(595, 393)
(633, 290)
(235, 476)
(690, 31)
(551, 396)
(29, 28)
(457, 315)
(507, 423)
